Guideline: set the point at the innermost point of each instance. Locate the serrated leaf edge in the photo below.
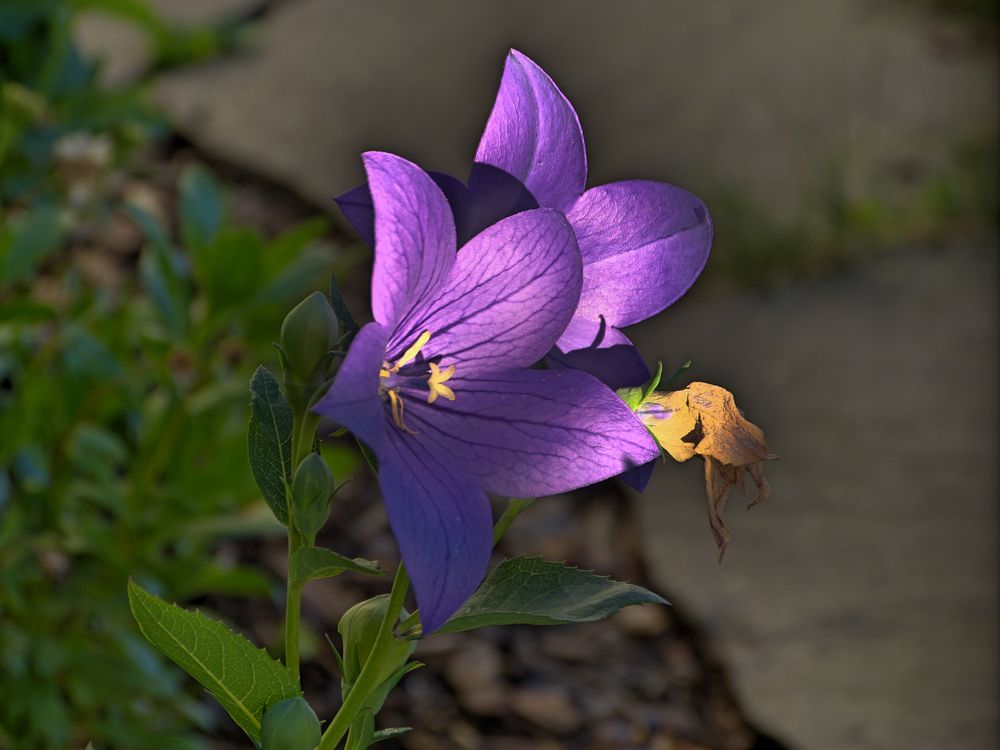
(134, 601)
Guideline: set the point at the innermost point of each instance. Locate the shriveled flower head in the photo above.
(703, 420)
(439, 386)
(642, 243)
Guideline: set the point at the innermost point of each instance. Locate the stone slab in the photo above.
(760, 98)
(858, 607)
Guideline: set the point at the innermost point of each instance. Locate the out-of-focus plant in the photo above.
(48, 88)
(122, 450)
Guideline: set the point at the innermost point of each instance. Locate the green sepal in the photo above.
(290, 724)
(362, 731)
(635, 397)
(310, 563)
(347, 325)
(370, 458)
(269, 442)
(244, 679)
(312, 490)
(532, 591)
(673, 378)
(359, 629)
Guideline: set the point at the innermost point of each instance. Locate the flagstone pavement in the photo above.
(857, 608)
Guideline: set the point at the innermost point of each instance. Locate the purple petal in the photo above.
(639, 477)
(353, 399)
(461, 203)
(511, 293)
(533, 133)
(414, 236)
(606, 353)
(356, 205)
(441, 518)
(643, 245)
(528, 433)
(494, 195)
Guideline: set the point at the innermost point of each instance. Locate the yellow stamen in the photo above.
(411, 354)
(436, 380)
(397, 411)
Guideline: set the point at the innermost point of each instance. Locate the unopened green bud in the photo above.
(290, 724)
(312, 490)
(359, 629)
(308, 333)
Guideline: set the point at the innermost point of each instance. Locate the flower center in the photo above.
(407, 373)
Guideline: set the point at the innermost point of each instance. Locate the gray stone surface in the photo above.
(858, 607)
(124, 49)
(755, 97)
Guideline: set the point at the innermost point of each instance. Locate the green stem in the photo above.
(515, 507)
(293, 609)
(303, 435)
(371, 671)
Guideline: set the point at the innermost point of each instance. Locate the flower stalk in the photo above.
(303, 434)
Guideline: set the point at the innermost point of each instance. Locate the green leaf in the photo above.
(390, 734)
(202, 209)
(228, 268)
(164, 275)
(242, 677)
(309, 563)
(531, 591)
(270, 441)
(27, 242)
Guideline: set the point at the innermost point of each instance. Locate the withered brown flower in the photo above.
(703, 420)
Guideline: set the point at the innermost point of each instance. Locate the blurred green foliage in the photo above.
(837, 226)
(123, 396)
(123, 420)
(48, 89)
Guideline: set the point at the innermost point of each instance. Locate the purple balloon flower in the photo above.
(643, 243)
(439, 386)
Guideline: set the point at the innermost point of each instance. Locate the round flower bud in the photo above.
(308, 333)
(312, 489)
(290, 724)
(359, 629)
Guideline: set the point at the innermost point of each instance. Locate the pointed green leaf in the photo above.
(202, 209)
(309, 563)
(27, 242)
(390, 734)
(242, 677)
(531, 591)
(270, 441)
